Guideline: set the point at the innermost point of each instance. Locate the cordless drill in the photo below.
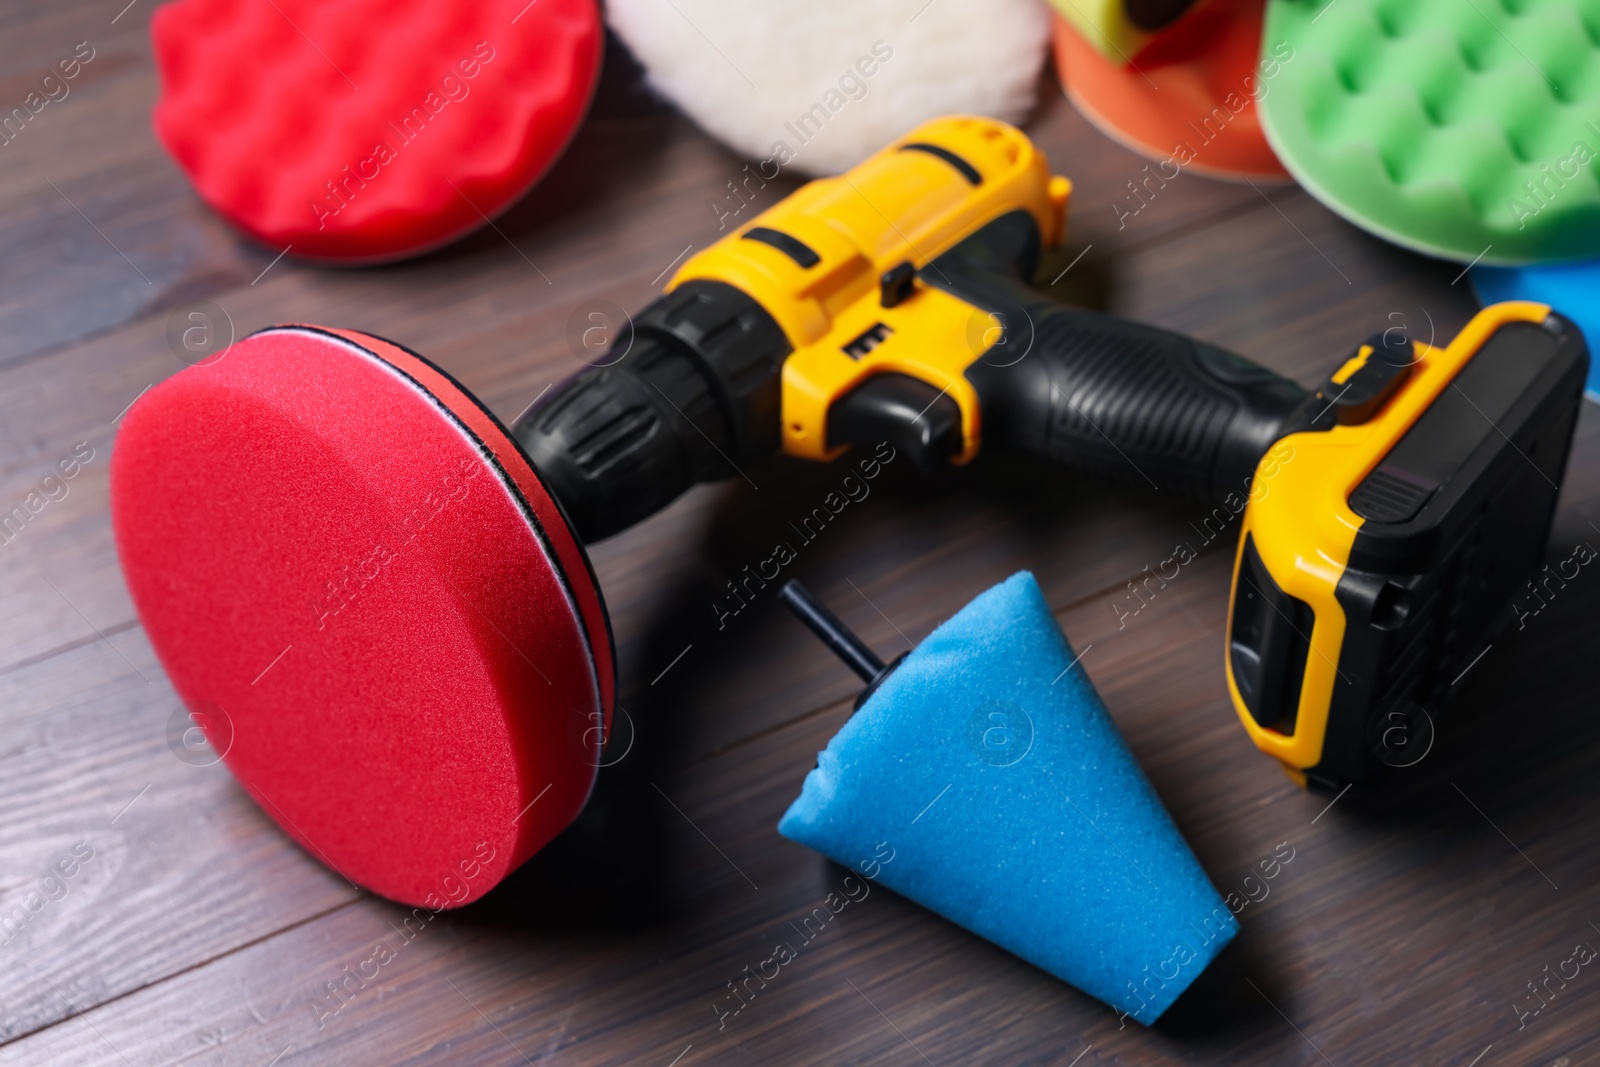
(1390, 513)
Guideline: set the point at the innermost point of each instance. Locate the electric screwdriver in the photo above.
(894, 303)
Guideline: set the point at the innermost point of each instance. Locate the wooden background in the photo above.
(1402, 932)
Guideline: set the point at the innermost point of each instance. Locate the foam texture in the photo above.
(1189, 98)
(1570, 288)
(343, 560)
(864, 73)
(1453, 128)
(1012, 806)
(291, 117)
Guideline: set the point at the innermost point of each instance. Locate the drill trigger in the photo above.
(920, 421)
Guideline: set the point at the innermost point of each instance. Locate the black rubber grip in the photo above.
(1112, 398)
(689, 392)
(1133, 403)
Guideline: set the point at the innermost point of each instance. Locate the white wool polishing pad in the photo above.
(819, 85)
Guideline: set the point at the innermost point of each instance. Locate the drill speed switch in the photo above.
(1366, 381)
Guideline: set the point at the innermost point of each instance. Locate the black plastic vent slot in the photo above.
(870, 338)
(1268, 646)
(796, 249)
(967, 170)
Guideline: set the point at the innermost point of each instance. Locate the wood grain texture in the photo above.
(1408, 922)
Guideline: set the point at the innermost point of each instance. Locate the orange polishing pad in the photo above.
(1189, 97)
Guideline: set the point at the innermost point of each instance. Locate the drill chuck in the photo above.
(693, 394)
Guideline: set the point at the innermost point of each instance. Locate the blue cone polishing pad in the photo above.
(1009, 803)
(1571, 288)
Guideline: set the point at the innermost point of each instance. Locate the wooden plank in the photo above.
(60, 576)
(102, 229)
(1341, 943)
(916, 556)
(1406, 927)
(169, 864)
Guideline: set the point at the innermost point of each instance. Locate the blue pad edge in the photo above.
(1012, 807)
(1570, 288)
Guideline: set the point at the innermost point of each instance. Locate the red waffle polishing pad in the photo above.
(362, 130)
(1188, 99)
(350, 567)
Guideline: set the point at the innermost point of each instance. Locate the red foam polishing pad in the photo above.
(342, 557)
(361, 130)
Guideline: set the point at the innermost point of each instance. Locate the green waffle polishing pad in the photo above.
(1459, 128)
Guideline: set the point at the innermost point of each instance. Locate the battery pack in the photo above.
(1380, 559)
